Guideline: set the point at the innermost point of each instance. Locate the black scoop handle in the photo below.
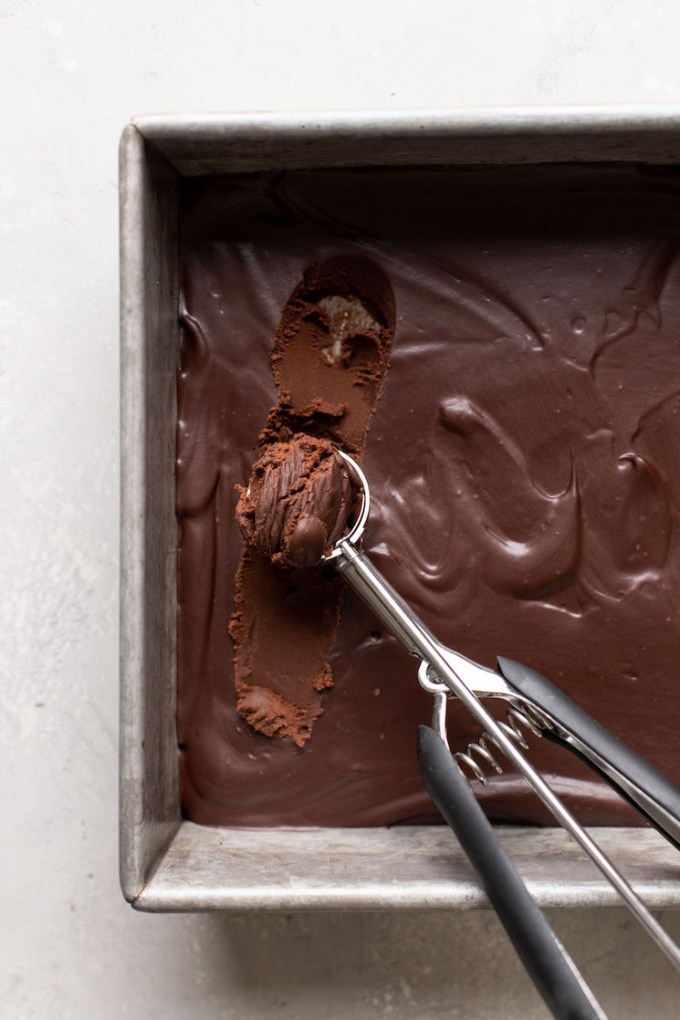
(551, 969)
(632, 776)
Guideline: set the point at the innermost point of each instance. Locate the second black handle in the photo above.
(641, 773)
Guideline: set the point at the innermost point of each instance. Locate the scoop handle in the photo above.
(551, 969)
(650, 792)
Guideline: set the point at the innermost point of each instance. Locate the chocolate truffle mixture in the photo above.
(298, 503)
(329, 359)
(524, 461)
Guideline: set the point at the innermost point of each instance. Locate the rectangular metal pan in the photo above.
(170, 864)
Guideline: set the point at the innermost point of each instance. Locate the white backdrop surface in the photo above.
(72, 73)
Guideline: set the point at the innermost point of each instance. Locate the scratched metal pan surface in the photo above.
(167, 863)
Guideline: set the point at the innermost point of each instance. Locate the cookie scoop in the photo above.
(534, 703)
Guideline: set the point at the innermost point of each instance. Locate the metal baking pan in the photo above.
(171, 864)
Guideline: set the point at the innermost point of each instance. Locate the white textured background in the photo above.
(71, 75)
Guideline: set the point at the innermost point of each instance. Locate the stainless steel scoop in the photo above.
(534, 703)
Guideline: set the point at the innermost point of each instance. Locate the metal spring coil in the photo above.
(481, 750)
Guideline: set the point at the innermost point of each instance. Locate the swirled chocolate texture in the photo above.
(524, 460)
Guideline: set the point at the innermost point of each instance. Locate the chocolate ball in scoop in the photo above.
(299, 502)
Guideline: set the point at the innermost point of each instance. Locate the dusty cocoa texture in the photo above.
(329, 358)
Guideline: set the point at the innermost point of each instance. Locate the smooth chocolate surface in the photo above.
(524, 460)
